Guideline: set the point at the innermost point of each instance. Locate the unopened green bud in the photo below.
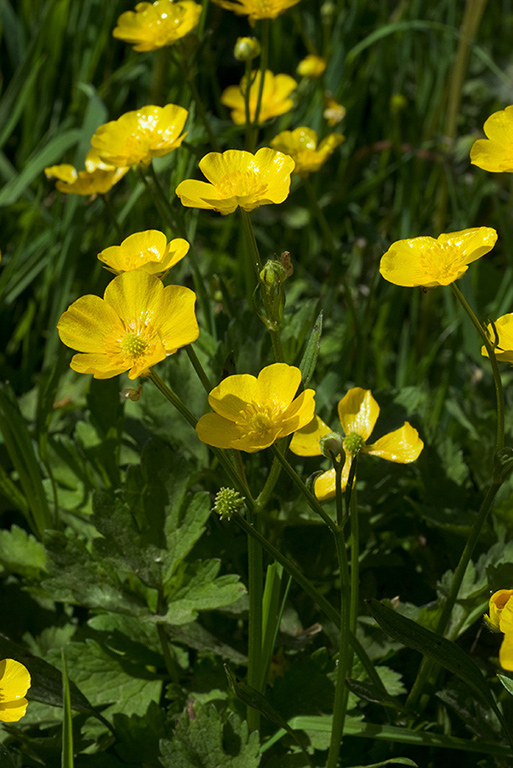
(328, 11)
(353, 443)
(227, 502)
(246, 48)
(331, 445)
(274, 273)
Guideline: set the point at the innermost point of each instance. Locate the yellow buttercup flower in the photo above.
(14, 684)
(311, 66)
(252, 413)
(238, 178)
(257, 9)
(495, 153)
(136, 325)
(301, 145)
(501, 338)
(97, 179)
(428, 262)
(155, 25)
(275, 97)
(334, 112)
(138, 136)
(500, 619)
(358, 412)
(148, 250)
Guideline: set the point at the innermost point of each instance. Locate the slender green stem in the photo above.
(164, 644)
(272, 477)
(257, 266)
(255, 590)
(310, 498)
(264, 56)
(338, 491)
(247, 108)
(329, 611)
(112, 215)
(355, 561)
(343, 670)
(188, 76)
(427, 664)
(335, 252)
(499, 393)
(199, 368)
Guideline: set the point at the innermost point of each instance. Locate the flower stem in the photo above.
(112, 215)
(264, 55)
(269, 322)
(189, 78)
(207, 386)
(310, 498)
(499, 393)
(312, 592)
(255, 589)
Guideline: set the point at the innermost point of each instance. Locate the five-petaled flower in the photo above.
(426, 262)
(302, 145)
(257, 9)
(14, 684)
(495, 153)
(312, 66)
(358, 412)
(155, 25)
(148, 250)
(500, 334)
(238, 178)
(138, 136)
(97, 179)
(275, 97)
(500, 619)
(252, 413)
(136, 325)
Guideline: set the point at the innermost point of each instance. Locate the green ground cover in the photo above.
(158, 632)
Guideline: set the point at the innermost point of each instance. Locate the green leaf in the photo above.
(365, 690)
(22, 553)
(309, 359)
(202, 740)
(507, 683)
(442, 651)
(67, 728)
(5, 758)
(392, 761)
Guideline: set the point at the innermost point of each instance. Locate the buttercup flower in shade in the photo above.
(301, 145)
(334, 112)
(238, 178)
(252, 413)
(500, 619)
(275, 97)
(138, 136)
(97, 179)
(14, 684)
(136, 325)
(147, 250)
(428, 262)
(311, 66)
(257, 9)
(495, 153)
(501, 338)
(358, 412)
(155, 25)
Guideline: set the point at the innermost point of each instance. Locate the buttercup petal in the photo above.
(278, 383)
(358, 412)
(177, 322)
(12, 711)
(305, 442)
(233, 394)
(496, 605)
(14, 680)
(214, 430)
(325, 486)
(88, 324)
(506, 652)
(99, 364)
(471, 244)
(299, 413)
(402, 446)
(501, 338)
(135, 297)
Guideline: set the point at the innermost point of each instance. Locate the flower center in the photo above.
(133, 345)
(441, 261)
(353, 442)
(258, 418)
(241, 184)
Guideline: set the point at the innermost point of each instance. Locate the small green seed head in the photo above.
(353, 443)
(227, 502)
(246, 48)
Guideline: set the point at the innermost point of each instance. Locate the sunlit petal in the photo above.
(402, 446)
(358, 412)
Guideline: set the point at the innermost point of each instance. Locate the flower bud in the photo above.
(397, 103)
(227, 502)
(274, 273)
(328, 11)
(331, 445)
(246, 48)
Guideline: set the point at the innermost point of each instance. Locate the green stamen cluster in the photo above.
(227, 502)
